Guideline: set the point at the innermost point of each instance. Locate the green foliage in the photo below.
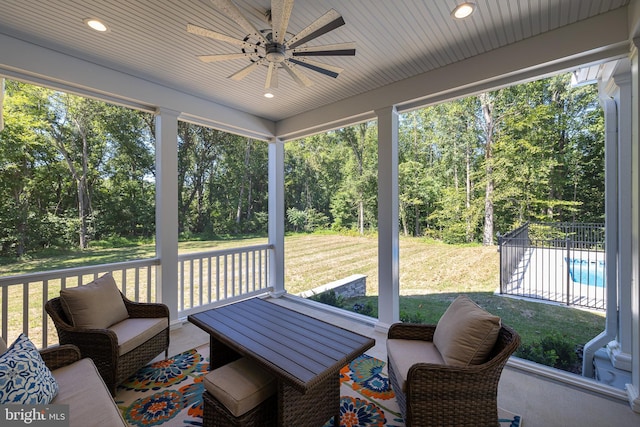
(308, 220)
(120, 242)
(412, 317)
(553, 350)
(366, 309)
(329, 298)
(538, 156)
(296, 218)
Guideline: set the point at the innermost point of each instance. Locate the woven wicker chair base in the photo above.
(215, 414)
(312, 409)
(129, 363)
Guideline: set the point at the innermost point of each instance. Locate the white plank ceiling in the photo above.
(395, 40)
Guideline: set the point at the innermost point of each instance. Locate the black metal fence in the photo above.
(561, 262)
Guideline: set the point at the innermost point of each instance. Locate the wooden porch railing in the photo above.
(204, 279)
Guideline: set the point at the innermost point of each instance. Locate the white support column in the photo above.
(607, 93)
(276, 216)
(388, 232)
(167, 209)
(620, 351)
(633, 389)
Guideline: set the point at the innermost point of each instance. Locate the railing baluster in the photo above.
(5, 313)
(149, 296)
(217, 278)
(25, 308)
(260, 264)
(136, 285)
(191, 288)
(226, 293)
(45, 318)
(200, 282)
(209, 278)
(123, 280)
(239, 270)
(253, 269)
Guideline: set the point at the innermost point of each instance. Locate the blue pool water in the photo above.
(587, 272)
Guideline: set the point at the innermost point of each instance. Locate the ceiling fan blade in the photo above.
(222, 57)
(339, 49)
(272, 76)
(327, 22)
(200, 31)
(231, 10)
(327, 70)
(239, 75)
(296, 75)
(280, 14)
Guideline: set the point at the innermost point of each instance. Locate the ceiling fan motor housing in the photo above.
(275, 52)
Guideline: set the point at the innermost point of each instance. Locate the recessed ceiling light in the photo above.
(268, 95)
(463, 10)
(96, 24)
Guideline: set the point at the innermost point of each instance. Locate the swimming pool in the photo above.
(587, 272)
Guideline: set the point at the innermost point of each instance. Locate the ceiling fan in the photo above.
(276, 48)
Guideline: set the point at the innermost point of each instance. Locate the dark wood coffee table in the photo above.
(303, 353)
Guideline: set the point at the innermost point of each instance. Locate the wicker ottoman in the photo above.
(240, 394)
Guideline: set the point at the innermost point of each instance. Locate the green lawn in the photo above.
(431, 275)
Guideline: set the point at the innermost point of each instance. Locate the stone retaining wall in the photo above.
(348, 287)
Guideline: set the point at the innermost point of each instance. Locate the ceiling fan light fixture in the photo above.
(463, 10)
(96, 24)
(269, 95)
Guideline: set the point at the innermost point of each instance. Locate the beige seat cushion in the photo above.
(96, 305)
(133, 332)
(466, 333)
(240, 385)
(90, 403)
(403, 354)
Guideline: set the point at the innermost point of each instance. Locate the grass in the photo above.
(99, 255)
(426, 266)
(431, 275)
(532, 320)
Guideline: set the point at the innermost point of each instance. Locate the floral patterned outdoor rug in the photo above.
(169, 393)
(166, 393)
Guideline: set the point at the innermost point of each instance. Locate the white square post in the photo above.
(167, 209)
(388, 226)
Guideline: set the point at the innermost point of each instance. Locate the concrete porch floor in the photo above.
(541, 401)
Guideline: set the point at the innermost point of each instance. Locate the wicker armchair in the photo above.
(59, 356)
(441, 395)
(101, 345)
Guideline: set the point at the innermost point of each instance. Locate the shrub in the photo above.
(366, 309)
(415, 317)
(553, 350)
(329, 298)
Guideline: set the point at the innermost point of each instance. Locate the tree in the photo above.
(21, 149)
(74, 169)
(359, 173)
(488, 111)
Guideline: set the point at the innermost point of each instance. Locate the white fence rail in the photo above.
(204, 278)
(210, 277)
